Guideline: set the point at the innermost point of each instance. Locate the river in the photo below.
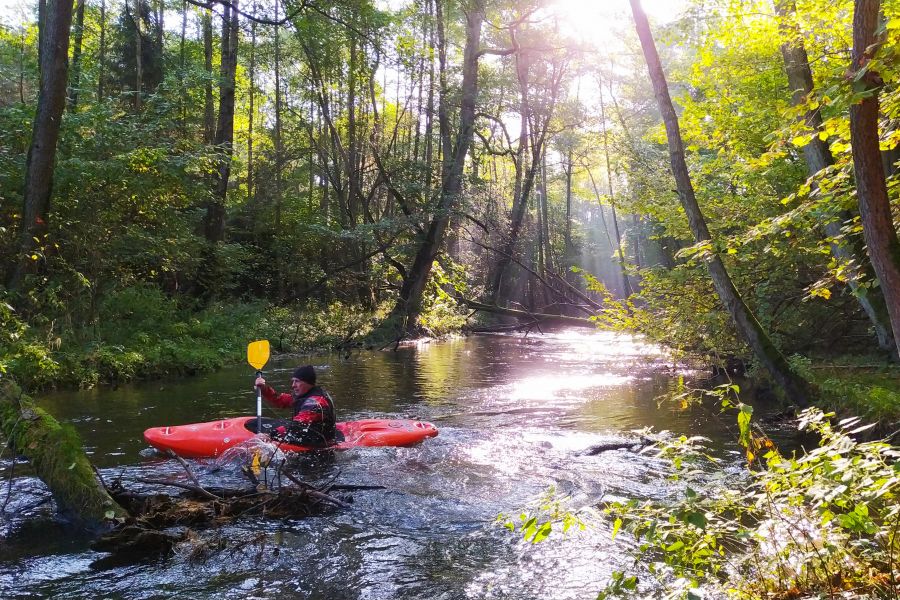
(515, 415)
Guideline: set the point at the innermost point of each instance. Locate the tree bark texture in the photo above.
(76, 56)
(54, 59)
(209, 116)
(818, 156)
(796, 388)
(214, 226)
(871, 189)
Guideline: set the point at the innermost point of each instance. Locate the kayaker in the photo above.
(313, 409)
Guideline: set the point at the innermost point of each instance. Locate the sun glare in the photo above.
(595, 20)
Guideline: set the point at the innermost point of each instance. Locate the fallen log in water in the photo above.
(56, 454)
(633, 445)
(158, 522)
(529, 317)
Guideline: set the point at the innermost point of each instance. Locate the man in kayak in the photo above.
(314, 421)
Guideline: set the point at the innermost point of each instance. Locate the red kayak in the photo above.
(211, 439)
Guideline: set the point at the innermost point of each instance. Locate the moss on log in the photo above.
(57, 456)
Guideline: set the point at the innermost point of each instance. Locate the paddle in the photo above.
(258, 356)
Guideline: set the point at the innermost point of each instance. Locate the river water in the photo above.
(515, 415)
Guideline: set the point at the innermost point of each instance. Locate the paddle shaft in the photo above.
(258, 405)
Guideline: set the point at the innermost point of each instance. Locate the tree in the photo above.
(54, 65)
(214, 224)
(409, 304)
(871, 189)
(818, 157)
(795, 387)
(537, 103)
(76, 56)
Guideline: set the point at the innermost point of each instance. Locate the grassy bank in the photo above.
(142, 333)
(864, 386)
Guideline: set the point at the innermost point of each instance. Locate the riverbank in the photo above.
(146, 335)
(143, 334)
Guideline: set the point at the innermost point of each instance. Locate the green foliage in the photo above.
(815, 524)
(536, 522)
(854, 385)
(441, 314)
(141, 332)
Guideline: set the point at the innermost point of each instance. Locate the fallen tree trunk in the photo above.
(530, 316)
(57, 456)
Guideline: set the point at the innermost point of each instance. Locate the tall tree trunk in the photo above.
(871, 189)
(545, 214)
(42, 26)
(420, 83)
(160, 25)
(138, 56)
(101, 58)
(612, 202)
(76, 56)
(429, 104)
(818, 156)
(409, 305)
(500, 286)
(251, 108)
(796, 388)
(214, 226)
(567, 235)
(209, 115)
(39, 164)
(353, 193)
(279, 159)
(521, 187)
(182, 55)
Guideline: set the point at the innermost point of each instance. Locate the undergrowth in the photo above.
(142, 333)
(818, 524)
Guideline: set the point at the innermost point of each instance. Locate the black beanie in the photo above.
(305, 373)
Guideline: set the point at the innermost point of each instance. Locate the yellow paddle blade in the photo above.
(258, 354)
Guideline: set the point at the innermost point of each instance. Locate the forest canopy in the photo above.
(177, 176)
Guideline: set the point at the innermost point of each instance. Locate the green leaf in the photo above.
(743, 420)
(542, 533)
(617, 525)
(697, 519)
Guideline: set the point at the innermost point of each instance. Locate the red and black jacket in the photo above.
(314, 410)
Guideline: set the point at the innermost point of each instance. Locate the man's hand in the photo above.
(260, 382)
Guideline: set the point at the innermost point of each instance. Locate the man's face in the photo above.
(300, 387)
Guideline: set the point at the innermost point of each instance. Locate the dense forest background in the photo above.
(316, 171)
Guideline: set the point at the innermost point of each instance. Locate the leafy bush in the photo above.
(141, 333)
(820, 524)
